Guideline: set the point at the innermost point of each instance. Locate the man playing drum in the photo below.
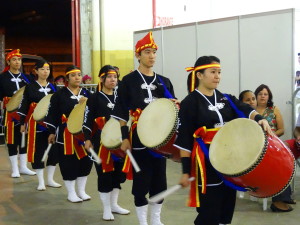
(74, 163)
(135, 92)
(98, 110)
(201, 114)
(37, 132)
(11, 80)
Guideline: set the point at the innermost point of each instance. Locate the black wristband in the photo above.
(87, 134)
(124, 132)
(22, 119)
(258, 118)
(51, 130)
(186, 165)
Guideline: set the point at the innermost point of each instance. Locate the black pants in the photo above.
(41, 143)
(216, 206)
(71, 167)
(284, 196)
(152, 178)
(110, 180)
(13, 148)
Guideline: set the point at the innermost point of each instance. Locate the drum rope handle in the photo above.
(160, 196)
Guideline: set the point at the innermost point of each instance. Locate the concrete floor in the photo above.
(21, 204)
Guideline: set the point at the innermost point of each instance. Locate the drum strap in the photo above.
(9, 122)
(71, 143)
(238, 112)
(166, 91)
(104, 153)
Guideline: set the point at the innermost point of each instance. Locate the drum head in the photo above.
(75, 119)
(237, 146)
(157, 123)
(41, 108)
(111, 136)
(15, 100)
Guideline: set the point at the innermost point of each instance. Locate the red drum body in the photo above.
(249, 158)
(157, 127)
(169, 151)
(111, 137)
(294, 147)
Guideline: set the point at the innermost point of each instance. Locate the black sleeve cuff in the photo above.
(124, 132)
(186, 165)
(258, 118)
(51, 129)
(87, 134)
(22, 119)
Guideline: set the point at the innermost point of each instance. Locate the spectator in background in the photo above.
(87, 79)
(271, 113)
(294, 144)
(248, 97)
(60, 80)
(118, 70)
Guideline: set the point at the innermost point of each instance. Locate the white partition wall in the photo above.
(221, 38)
(253, 49)
(267, 57)
(179, 43)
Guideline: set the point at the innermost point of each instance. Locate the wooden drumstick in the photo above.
(95, 156)
(23, 140)
(160, 196)
(134, 163)
(46, 152)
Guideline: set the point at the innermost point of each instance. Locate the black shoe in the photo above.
(275, 209)
(291, 201)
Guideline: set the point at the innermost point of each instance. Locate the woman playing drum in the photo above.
(98, 110)
(38, 134)
(74, 163)
(202, 113)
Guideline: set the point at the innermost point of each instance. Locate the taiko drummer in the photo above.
(98, 110)
(11, 80)
(37, 132)
(202, 113)
(135, 92)
(74, 161)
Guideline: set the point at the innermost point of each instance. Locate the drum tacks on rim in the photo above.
(248, 157)
(157, 127)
